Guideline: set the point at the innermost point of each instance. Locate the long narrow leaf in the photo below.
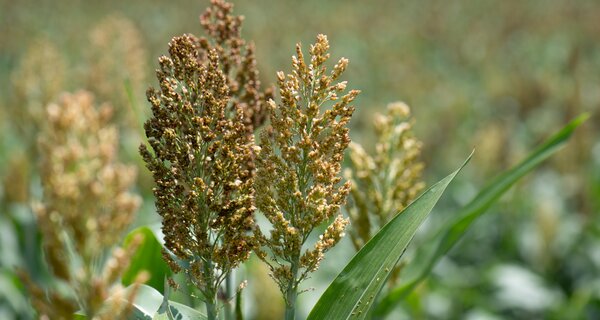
(352, 293)
(474, 209)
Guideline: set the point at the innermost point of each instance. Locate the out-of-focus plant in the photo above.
(37, 81)
(118, 64)
(116, 69)
(86, 208)
(385, 183)
(17, 180)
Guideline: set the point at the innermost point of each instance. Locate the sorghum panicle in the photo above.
(37, 81)
(384, 184)
(85, 210)
(298, 183)
(202, 164)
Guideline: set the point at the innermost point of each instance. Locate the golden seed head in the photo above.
(298, 167)
(86, 207)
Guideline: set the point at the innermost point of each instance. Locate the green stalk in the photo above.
(238, 307)
(292, 292)
(211, 309)
(210, 295)
(227, 298)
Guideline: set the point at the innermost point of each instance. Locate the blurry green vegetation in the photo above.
(497, 76)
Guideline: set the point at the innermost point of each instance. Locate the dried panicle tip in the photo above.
(376, 198)
(201, 156)
(298, 183)
(86, 204)
(237, 60)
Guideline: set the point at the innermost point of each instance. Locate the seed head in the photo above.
(298, 183)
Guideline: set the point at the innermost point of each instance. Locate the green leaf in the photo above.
(147, 257)
(178, 311)
(146, 303)
(149, 304)
(474, 209)
(352, 293)
(10, 292)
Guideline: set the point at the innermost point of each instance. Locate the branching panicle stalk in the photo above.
(202, 158)
(298, 183)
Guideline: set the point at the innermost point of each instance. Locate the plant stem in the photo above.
(211, 294)
(228, 294)
(292, 292)
(238, 307)
(211, 308)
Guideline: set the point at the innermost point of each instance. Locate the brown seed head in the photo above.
(202, 162)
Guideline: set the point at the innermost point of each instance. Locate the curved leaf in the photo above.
(149, 304)
(146, 303)
(352, 293)
(147, 257)
(178, 311)
(474, 209)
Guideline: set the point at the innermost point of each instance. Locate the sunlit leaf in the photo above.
(352, 293)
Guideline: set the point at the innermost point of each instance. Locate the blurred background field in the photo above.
(494, 76)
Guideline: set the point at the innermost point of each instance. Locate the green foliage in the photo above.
(496, 84)
(148, 257)
(352, 294)
(151, 305)
(478, 206)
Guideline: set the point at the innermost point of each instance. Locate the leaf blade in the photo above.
(477, 206)
(352, 293)
(148, 257)
(149, 304)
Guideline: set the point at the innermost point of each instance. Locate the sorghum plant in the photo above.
(385, 183)
(201, 132)
(202, 165)
(298, 183)
(85, 210)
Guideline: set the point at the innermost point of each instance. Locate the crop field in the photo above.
(300, 159)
